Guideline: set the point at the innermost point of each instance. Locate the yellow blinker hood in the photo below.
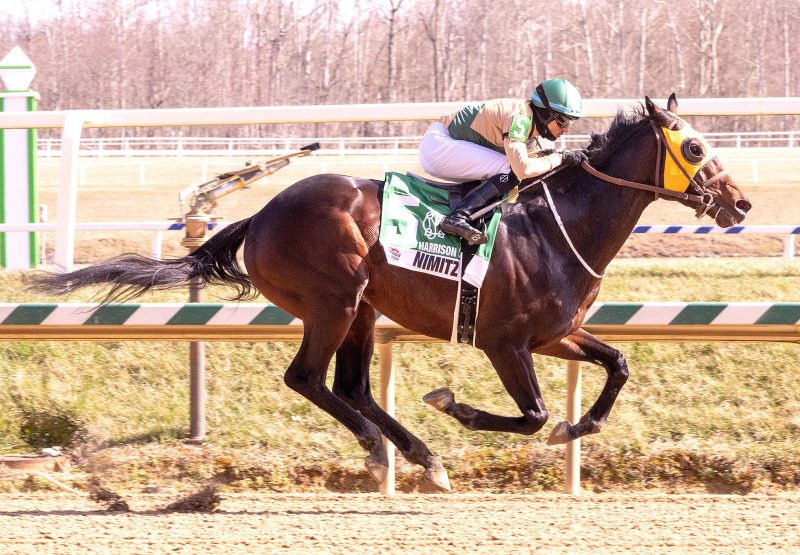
(674, 178)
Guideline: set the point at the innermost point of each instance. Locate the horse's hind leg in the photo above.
(583, 346)
(515, 369)
(351, 384)
(322, 336)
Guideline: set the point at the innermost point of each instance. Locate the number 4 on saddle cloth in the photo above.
(411, 211)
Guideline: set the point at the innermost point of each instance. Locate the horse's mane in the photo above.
(603, 145)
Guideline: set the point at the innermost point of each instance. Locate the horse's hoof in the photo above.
(560, 434)
(437, 476)
(440, 399)
(376, 469)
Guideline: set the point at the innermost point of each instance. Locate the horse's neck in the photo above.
(599, 217)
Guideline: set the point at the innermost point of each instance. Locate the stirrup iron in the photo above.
(458, 224)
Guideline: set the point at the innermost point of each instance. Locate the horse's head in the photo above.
(688, 165)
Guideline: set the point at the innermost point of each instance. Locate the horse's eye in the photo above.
(693, 151)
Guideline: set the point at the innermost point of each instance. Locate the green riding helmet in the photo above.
(560, 96)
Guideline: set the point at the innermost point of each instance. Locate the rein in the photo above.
(566, 235)
(704, 200)
(634, 185)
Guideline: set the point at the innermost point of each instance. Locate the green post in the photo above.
(18, 195)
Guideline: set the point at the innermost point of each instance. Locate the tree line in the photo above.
(206, 53)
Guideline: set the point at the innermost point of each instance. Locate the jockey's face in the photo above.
(556, 129)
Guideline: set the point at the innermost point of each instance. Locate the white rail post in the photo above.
(788, 247)
(155, 246)
(387, 487)
(573, 451)
(66, 203)
(42, 236)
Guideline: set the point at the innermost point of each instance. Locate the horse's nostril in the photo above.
(743, 205)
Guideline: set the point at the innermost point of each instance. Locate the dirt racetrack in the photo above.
(424, 524)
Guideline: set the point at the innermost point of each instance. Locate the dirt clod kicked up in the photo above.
(113, 501)
(206, 500)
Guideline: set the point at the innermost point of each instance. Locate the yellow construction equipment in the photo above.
(201, 198)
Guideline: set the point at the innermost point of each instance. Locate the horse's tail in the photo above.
(132, 275)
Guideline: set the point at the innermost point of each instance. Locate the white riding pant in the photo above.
(447, 158)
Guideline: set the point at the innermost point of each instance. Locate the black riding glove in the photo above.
(573, 157)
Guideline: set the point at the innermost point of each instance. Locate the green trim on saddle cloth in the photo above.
(410, 217)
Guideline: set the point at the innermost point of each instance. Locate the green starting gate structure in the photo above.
(18, 197)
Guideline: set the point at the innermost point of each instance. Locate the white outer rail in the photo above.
(593, 108)
(230, 146)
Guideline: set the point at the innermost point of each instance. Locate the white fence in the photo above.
(245, 146)
(72, 124)
(751, 159)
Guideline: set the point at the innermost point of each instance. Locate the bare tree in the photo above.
(176, 53)
(431, 23)
(590, 82)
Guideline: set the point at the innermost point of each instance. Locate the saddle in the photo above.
(468, 293)
(455, 190)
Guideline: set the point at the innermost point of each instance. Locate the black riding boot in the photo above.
(458, 222)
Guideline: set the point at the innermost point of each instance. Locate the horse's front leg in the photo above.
(514, 366)
(583, 346)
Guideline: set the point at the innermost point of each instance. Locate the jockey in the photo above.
(498, 141)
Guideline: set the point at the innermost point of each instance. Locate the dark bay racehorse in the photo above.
(313, 250)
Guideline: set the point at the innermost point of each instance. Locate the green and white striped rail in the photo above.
(264, 322)
(254, 321)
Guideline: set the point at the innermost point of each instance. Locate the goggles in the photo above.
(562, 120)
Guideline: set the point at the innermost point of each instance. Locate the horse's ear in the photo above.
(672, 104)
(652, 109)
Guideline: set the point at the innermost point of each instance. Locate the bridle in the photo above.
(704, 199)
